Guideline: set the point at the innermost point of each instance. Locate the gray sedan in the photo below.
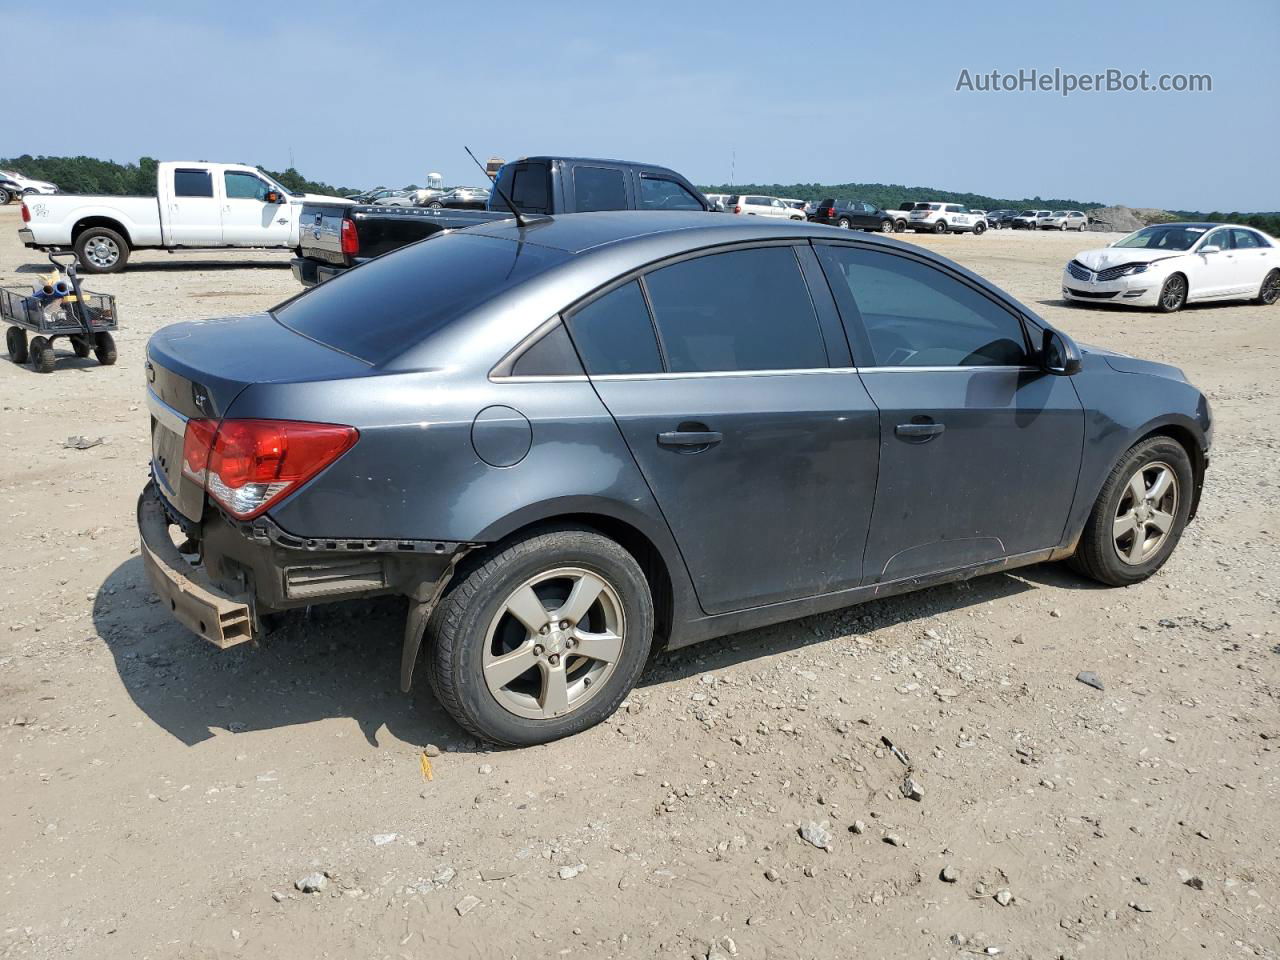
(570, 441)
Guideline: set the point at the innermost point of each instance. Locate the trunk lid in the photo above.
(197, 369)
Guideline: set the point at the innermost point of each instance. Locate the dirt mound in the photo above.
(1126, 219)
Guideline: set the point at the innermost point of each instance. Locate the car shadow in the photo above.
(852, 621)
(342, 659)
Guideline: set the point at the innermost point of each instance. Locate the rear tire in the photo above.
(1099, 553)
(5, 197)
(41, 355)
(104, 348)
(101, 250)
(15, 339)
(474, 626)
(1269, 292)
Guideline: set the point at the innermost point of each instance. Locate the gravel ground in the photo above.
(161, 799)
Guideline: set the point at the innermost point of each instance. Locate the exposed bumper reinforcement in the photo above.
(221, 619)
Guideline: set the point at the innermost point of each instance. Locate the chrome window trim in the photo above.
(719, 374)
(542, 378)
(166, 414)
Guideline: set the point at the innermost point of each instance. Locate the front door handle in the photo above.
(689, 438)
(919, 432)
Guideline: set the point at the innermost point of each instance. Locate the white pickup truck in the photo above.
(197, 206)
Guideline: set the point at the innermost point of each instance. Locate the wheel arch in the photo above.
(652, 547)
(85, 223)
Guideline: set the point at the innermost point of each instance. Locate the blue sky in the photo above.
(381, 93)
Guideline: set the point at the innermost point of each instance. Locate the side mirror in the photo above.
(1210, 248)
(1059, 354)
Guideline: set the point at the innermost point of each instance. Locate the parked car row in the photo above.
(14, 186)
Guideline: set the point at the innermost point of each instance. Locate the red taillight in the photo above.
(26, 214)
(250, 465)
(350, 239)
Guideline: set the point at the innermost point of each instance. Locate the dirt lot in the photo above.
(160, 799)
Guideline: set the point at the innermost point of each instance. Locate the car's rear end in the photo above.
(825, 211)
(923, 215)
(289, 449)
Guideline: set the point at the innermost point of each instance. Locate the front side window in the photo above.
(740, 310)
(614, 334)
(244, 186)
(916, 315)
(192, 183)
(598, 188)
(659, 194)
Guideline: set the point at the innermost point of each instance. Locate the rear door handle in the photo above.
(689, 438)
(919, 432)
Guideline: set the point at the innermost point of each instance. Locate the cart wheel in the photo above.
(104, 348)
(42, 358)
(15, 338)
(81, 347)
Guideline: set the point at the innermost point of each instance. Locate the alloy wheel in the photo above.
(1146, 512)
(554, 643)
(1271, 287)
(102, 252)
(1175, 290)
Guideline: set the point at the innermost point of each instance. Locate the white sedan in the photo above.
(1168, 265)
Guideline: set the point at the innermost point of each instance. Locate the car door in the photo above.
(1212, 273)
(194, 212)
(1253, 259)
(248, 219)
(979, 448)
(730, 383)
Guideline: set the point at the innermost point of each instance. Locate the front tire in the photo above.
(1269, 292)
(900, 226)
(104, 348)
(940, 227)
(41, 356)
(979, 228)
(843, 223)
(101, 250)
(886, 226)
(1139, 515)
(1173, 295)
(542, 638)
(5, 197)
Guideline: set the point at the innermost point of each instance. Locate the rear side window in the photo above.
(598, 188)
(657, 193)
(741, 310)
(387, 304)
(915, 315)
(614, 334)
(192, 183)
(527, 184)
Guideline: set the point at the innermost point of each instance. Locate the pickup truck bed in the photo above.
(335, 237)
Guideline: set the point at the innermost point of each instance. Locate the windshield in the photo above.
(387, 304)
(1164, 237)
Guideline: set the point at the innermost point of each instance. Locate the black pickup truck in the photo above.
(335, 237)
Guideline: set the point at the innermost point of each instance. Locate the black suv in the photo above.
(853, 215)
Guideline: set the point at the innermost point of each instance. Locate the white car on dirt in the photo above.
(934, 217)
(1168, 265)
(16, 186)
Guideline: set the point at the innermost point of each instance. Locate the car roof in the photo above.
(579, 232)
(617, 163)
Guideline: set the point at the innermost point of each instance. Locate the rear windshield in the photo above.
(380, 308)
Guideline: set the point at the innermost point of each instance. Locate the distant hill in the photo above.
(892, 195)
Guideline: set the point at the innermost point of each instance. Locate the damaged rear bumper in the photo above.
(221, 619)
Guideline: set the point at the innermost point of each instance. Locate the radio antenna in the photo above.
(520, 221)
